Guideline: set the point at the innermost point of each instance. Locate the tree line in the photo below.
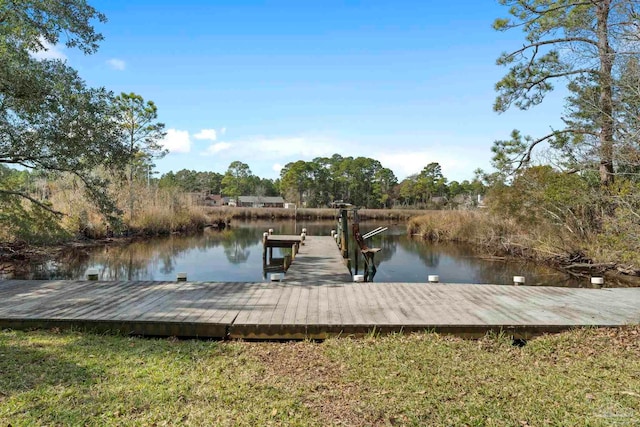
(360, 181)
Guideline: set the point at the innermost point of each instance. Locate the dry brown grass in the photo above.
(495, 234)
(156, 211)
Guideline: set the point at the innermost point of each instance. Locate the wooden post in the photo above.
(518, 280)
(264, 248)
(344, 237)
(371, 266)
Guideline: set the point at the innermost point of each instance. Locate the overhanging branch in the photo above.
(32, 200)
(548, 42)
(526, 157)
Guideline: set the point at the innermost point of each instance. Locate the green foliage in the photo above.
(542, 196)
(27, 23)
(619, 238)
(141, 132)
(360, 181)
(582, 44)
(141, 135)
(429, 189)
(296, 178)
(191, 181)
(49, 119)
(22, 219)
(235, 181)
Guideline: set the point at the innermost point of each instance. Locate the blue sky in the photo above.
(269, 82)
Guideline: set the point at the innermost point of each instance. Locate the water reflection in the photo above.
(237, 244)
(235, 254)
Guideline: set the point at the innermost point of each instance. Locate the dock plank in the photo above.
(290, 310)
(318, 261)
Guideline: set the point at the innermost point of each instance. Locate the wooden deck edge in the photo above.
(321, 332)
(124, 327)
(279, 332)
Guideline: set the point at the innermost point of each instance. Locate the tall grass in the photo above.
(156, 211)
(495, 234)
(165, 211)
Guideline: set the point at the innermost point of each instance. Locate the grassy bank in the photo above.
(582, 377)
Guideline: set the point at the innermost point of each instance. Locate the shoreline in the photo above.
(576, 265)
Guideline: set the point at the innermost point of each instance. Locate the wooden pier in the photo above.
(269, 241)
(318, 261)
(300, 310)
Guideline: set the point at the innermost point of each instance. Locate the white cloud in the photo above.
(223, 131)
(117, 64)
(49, 51)
(458, 163)
(177, 141)
(216, 148)
(277, 167)
(209, 134)
(303, 147)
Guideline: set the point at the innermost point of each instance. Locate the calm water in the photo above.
(235, 254)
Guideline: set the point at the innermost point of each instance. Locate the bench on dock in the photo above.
(367, 252)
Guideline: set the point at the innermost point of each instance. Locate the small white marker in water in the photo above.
(277, 277)
(92, 274)
(433, 278)
(181, 277)
(597, 281)
(358, 277)
(518, 280)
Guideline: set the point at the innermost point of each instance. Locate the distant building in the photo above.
(216, 200)
(260, 202)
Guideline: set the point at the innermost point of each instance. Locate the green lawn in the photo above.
(583, 377)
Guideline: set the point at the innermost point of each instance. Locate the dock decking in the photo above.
(318, 261)
(303, 310)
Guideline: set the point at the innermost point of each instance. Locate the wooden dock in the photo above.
(318, 261)
(308, 310)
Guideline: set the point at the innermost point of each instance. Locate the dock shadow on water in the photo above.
(235, 255)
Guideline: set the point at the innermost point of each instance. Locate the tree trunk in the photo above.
(606, 93)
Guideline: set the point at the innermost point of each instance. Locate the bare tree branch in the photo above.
(32, 200)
